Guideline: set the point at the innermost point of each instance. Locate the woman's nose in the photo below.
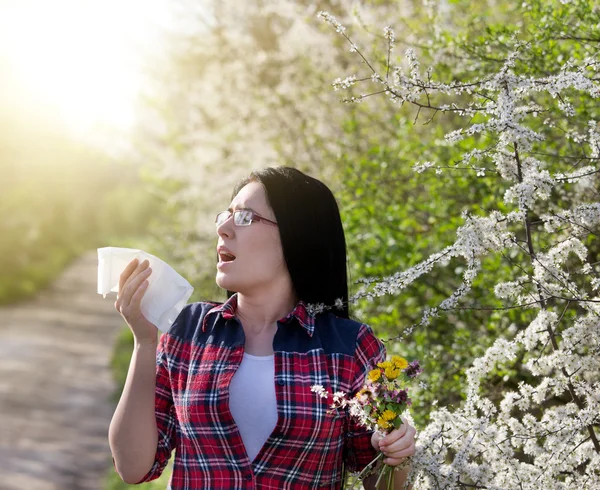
(225, 229)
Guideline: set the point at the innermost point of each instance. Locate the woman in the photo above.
(229, 385)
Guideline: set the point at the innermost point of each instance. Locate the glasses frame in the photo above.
(254, 217)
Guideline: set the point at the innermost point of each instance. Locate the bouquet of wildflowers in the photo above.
(379, 403)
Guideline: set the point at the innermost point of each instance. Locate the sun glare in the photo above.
(83, 58)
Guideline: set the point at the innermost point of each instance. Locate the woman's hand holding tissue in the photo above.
(132, 286)
(164, 297)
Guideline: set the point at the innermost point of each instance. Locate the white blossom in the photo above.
(330, 19)
(346, 83)
(319, 390)
(388, 33)
(421, 167)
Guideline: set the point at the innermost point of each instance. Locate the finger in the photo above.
(403, 426)
(397, 457)
(392, 437)
(140, 267)
(399, 443)
(133, 286)
(126, 273)
(136, 299)
(393, 461)
(402, 429)
(377, 436)
(375, 439)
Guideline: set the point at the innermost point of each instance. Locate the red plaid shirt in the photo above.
(196, 360)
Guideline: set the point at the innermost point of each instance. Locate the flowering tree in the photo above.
(532, 128)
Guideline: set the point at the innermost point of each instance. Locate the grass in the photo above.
(113, 480)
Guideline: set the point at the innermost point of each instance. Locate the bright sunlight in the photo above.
(82, 59)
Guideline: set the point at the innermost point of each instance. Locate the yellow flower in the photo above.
(382, 423)
(399, 362)
(384, 364)
(374, 375)
(388, 415)
(365, 391)
(392, 373)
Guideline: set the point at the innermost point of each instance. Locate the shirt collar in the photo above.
(300, 313)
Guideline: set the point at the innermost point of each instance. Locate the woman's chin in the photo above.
(225, 282)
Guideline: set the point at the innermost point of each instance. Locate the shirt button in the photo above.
(280, 382)
(248, 477)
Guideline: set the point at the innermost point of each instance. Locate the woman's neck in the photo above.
(260, 312)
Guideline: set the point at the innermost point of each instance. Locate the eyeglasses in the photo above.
(241, 217)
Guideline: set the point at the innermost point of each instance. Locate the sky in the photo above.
(81, 60)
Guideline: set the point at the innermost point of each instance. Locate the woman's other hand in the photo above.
(397, 445)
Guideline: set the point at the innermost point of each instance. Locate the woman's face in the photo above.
(258, 263)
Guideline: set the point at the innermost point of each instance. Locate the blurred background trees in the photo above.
(58, 196)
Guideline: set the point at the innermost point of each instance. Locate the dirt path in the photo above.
(55, 384)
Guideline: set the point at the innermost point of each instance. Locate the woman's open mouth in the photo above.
(225, 258)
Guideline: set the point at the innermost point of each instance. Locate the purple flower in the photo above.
(413, 369)
(400, 396)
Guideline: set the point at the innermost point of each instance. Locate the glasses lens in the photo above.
(222, 217)
(242, 217)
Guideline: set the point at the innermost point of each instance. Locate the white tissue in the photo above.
(167, 291)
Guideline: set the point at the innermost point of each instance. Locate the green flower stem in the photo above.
(366, 469)
(385, 471)
(390, 482)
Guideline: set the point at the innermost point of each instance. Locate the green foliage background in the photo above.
(59, 198)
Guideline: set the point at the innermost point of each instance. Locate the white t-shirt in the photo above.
(252, 401)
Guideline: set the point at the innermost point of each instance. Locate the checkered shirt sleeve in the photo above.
(166, 420)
